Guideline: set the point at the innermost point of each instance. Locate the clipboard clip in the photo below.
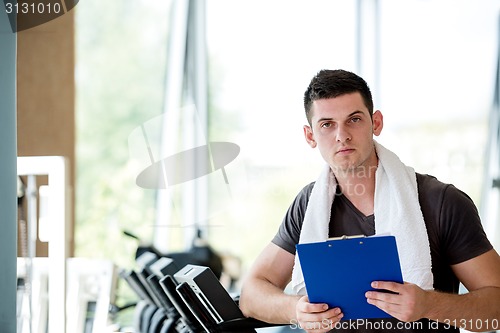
(346, 237)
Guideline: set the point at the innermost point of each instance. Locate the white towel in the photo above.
(397, 211)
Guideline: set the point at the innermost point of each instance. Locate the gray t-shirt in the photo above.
(453, 226)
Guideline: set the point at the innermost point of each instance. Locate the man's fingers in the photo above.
(386, 285)
(305, 306)
(319, 316)
(314, 308)
(321, 322)
(383, 297)
(405, 304)
(316, 317)
(390, 308)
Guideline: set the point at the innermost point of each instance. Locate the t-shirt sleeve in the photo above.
(289, 231)
(461, 230)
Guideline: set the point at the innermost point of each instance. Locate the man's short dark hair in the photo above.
(333, 83)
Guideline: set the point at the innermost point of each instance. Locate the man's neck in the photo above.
(358, 186)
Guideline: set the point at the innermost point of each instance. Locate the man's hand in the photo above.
(407, 304)
(316, 317)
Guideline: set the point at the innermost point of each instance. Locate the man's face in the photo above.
(342, 130)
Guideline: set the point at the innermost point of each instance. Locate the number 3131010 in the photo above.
(478, 324)
(33, 8)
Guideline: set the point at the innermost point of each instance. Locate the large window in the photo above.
(121, 56)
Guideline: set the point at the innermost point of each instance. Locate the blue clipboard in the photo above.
(339, 272)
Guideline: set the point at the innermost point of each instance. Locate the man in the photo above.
(453, 246)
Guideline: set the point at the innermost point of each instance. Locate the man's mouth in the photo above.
(345, 150)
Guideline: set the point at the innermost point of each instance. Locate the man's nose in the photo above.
(343, 134)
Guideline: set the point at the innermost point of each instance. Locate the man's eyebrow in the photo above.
(324, 119)
(348, 116)
(355, 113)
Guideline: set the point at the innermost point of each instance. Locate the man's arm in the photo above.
(478, 310)
(262, 295)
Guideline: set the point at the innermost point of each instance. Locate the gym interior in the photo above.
(150, 149)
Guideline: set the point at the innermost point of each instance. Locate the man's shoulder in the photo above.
(430, 183)
(437, 196)
(308, 188)
(301, 201)
(434, 189)
(306, 192)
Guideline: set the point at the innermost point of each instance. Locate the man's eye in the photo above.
(355, 119)
(326, 125)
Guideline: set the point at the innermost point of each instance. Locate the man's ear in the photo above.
(309, 135)
(378, 122)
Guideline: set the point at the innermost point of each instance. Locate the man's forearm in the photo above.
(261, 300)
(477, 311)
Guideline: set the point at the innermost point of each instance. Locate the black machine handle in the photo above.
(197, 308)
(169, 286)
